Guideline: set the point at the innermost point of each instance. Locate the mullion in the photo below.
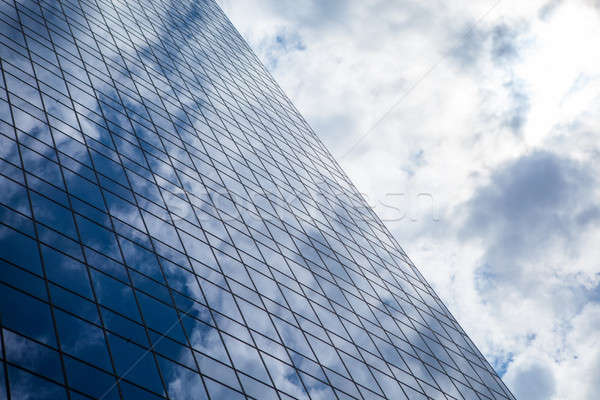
(35, 227)
(120, 335)
(393, 319)
(361, 325)
(199, 286)
(291, 310)
(129, 276)
(95, 298)
(242, 315)
(4, 361)
(218, 122)
(374, 378)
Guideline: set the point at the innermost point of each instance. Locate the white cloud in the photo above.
(521, 82)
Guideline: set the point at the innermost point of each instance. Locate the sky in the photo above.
(472, 129)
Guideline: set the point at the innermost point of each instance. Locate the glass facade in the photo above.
(172, 228)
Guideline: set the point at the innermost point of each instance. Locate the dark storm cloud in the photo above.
(526, 206)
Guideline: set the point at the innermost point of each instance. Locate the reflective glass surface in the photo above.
(172, 228)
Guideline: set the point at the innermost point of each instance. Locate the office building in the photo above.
(171, 227)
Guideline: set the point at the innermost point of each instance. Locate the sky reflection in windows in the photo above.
(172, 228)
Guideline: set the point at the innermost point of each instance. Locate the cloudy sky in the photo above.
(472, 128)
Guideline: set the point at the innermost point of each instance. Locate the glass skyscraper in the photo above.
(172, 228)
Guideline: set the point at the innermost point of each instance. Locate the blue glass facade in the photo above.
(172, 228)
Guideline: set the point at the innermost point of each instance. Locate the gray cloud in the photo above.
(337, 126)
(312, 13)
(594, 388)
(527, 204)
(549, 9)
(528, 230)
(516, 116)
(504, 43)
(534, 382)
(588, 216)
(501, 45)
(472, 42)
(594, 3)
(470, 46)
(284, 42)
